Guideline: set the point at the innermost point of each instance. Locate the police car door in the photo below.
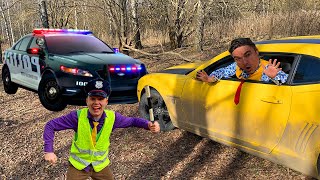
(24, 67)
(18, 61)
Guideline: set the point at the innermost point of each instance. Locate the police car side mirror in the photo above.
(34, 51)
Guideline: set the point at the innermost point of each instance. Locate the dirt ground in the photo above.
(135, 153)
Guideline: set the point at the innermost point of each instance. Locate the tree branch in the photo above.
(159, 54)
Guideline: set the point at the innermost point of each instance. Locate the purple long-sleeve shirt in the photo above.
(70, 121)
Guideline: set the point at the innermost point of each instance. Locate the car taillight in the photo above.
(34, 50)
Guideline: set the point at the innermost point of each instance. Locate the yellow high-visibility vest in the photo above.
(83, 152)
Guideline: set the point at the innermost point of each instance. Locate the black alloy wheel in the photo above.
(160, 110)
(9, 86)
(50, 94)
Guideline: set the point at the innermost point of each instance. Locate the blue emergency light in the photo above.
(74, 31)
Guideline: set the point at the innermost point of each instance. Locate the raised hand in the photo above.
(203, 76)
(273, 68)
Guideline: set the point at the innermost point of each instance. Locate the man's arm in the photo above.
(226, 72)
(69, 121)
(124, 122)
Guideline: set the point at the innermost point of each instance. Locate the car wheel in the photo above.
(9, 86)
(50, 94)
(160, 110)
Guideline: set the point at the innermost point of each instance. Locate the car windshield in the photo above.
(73, 44)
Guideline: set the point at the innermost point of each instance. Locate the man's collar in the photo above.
(247, 74)
(103, 116)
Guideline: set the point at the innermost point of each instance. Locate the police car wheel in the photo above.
(9, 86)
(160, 110)
(50, 94)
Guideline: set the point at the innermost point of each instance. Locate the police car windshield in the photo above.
(71, 44)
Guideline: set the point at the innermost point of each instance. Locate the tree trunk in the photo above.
(44, 14)
(176, 32)
(10, 24)
(5, 23)
(124, 26)
(135, 24)
(0, 50)
(200, 25)
(75, 15)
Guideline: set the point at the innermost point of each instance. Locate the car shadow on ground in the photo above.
(195, 153)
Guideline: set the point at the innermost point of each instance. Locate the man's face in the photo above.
(247, 58)
(96, 105)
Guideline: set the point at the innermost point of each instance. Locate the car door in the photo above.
(302, 135)
(36, 63)
(24, 67)
(209, 108)
(13, 60)
(257, 122)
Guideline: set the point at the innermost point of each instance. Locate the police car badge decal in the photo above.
(99, 84)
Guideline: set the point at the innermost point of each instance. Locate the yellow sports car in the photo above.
(276, 122)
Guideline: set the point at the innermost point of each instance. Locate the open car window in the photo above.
(286, 63)
(224, 62)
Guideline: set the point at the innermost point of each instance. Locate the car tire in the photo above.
(9, 86)
(160, 110)
(50, 94)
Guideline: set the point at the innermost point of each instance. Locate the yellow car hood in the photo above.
(182, 68)
(187, 66)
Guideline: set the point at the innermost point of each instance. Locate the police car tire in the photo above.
(158, 102)
(9, 86)
(54, 103)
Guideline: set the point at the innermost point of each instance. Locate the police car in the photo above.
(58, 63)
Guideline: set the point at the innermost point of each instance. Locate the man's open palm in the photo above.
(273, 68)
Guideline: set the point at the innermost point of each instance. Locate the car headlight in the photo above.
(75, 71)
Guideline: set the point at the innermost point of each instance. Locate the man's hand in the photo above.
(51, 157)
(154, 127)
(272, 69)
(203, 76)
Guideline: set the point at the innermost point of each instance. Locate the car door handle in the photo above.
(271, 99)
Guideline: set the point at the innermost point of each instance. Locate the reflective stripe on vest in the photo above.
(256, 75)
(83, 152)
(84, 162)
(88, 151)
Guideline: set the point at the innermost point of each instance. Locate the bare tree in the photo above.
(5, 20)
(200, 25)
(136, 25)
(1, 50)
(43, 13)
(10, 23)
(59, 13)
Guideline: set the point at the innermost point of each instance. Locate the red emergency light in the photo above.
(74, 31)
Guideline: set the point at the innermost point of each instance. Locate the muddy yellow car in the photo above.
(276, 122)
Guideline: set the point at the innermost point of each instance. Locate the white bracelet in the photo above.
(276, 82)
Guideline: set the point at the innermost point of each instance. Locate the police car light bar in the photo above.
(75, 31)
(129, 68)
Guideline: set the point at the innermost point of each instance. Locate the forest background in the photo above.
(160, 33)
(168, 24)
